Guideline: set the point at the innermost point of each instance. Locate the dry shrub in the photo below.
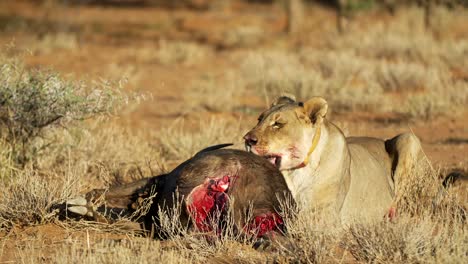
(32, 101)
(184, 138)
(416, 188)
(455, 53)
(422, 239)
(41, 125)
(420, 193)
(352, 81)
(46, 157)
(271, 73)
(348, 80)
(385, 242)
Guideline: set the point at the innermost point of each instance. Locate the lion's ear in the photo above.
(316, 108)
(283, 99)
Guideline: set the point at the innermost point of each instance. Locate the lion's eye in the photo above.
(277, 125)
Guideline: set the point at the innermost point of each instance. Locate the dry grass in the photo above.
(409, 240)
(78, 160)
(311, 239)
(424, 232)
(427, 230)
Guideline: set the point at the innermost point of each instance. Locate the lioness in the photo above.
(354, 177)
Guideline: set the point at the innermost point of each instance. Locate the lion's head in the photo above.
(288, 131)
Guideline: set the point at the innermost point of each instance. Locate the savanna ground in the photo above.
(157, 85)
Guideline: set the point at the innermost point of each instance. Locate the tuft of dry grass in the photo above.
(28, 198)
(405, 242)
(422, 239)
(310, 238)
(420, 194)
(430, 227)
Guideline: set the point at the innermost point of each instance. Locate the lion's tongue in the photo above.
(272, 160)
(275, 160)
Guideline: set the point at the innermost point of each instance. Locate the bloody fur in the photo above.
(208, 202)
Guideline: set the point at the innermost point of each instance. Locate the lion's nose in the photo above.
(250, 139)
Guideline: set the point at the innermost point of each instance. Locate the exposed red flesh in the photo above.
(264, 223)
(208, 201)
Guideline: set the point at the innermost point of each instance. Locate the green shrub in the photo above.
(32, 101)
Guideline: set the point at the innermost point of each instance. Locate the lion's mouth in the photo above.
(274, 159)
